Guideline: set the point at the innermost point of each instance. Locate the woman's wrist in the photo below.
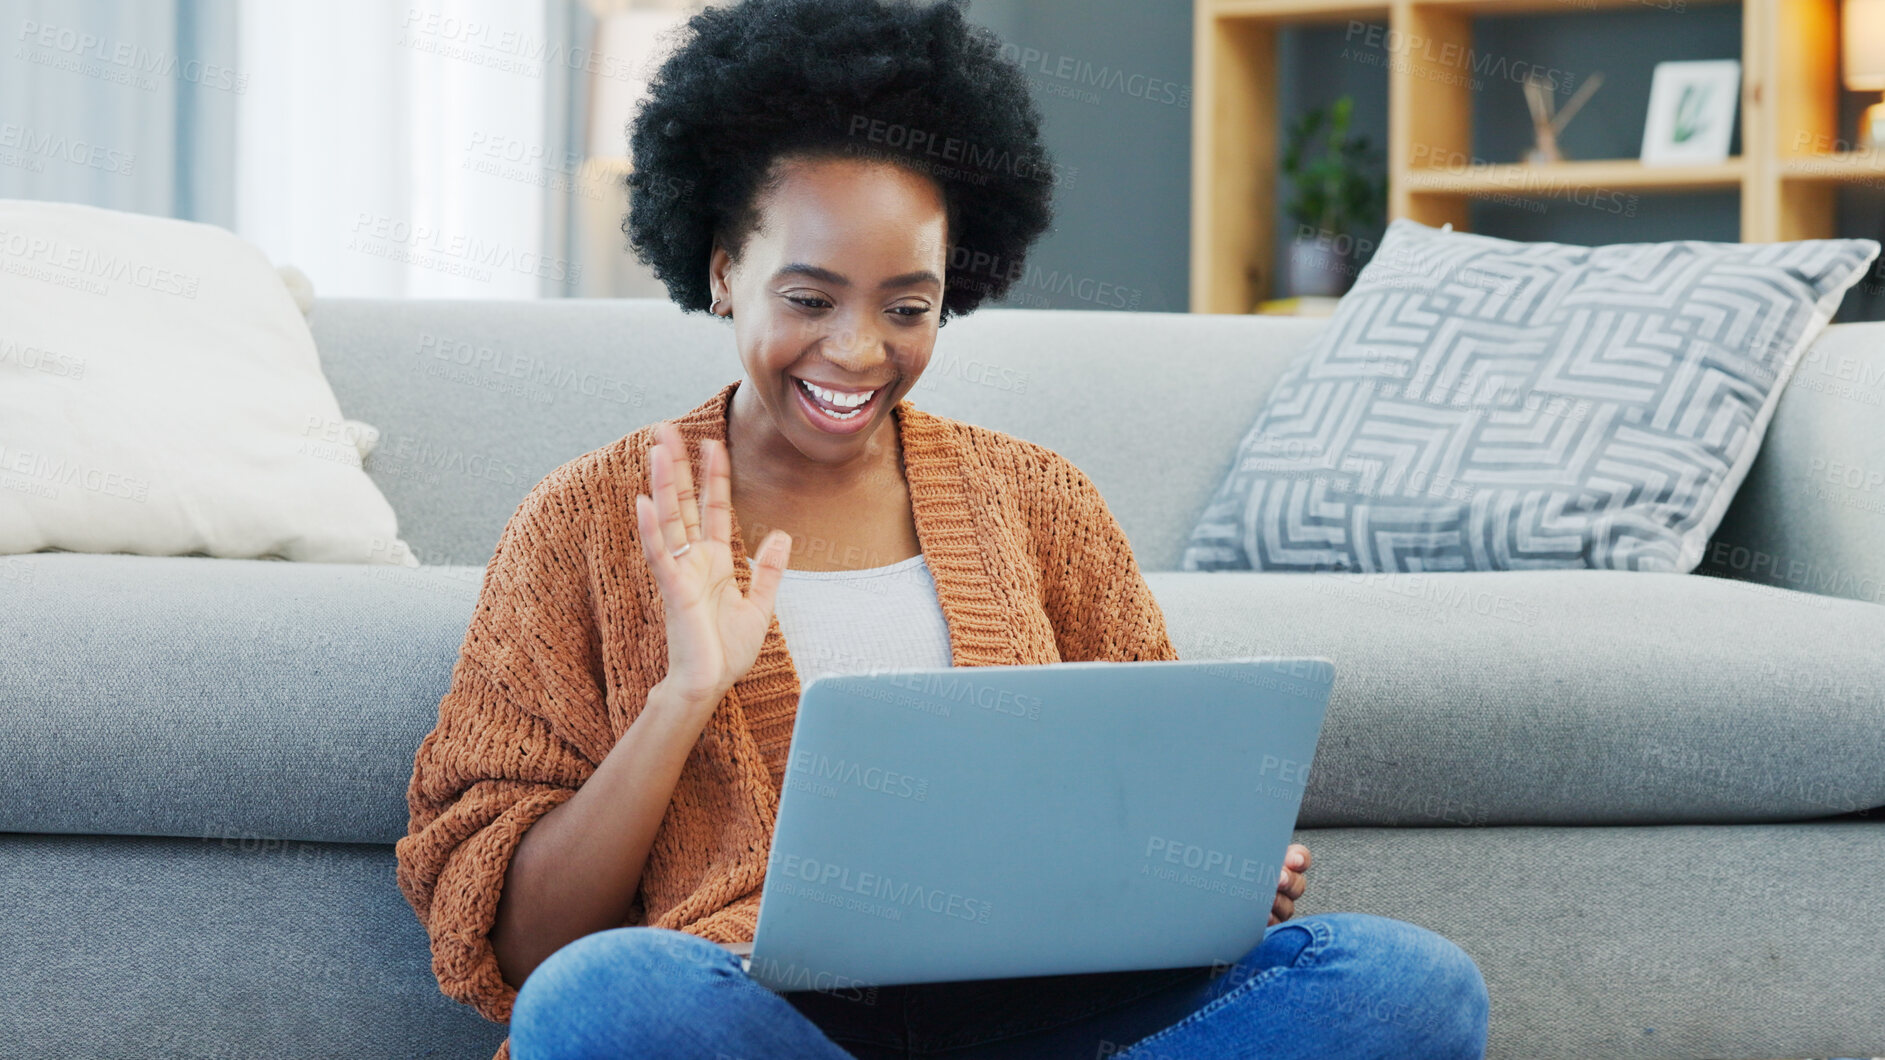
(672, 699)
(669, 718)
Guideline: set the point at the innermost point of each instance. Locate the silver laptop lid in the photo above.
(989, 822)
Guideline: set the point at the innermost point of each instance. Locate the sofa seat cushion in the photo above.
(266, 702)
(248, 701)
(1563, 697)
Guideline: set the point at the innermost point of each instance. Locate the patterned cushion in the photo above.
(1480, 404)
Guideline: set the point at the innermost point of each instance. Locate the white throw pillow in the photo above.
(160, 394)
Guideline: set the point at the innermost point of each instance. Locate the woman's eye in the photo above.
(909, 310)
(808, 301)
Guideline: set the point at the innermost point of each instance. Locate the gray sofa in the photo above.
(1638, 800)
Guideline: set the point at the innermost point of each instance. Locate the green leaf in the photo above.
(1337, 189)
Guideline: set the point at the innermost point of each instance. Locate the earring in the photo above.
(715, 309)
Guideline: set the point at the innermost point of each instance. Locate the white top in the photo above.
(854, 621)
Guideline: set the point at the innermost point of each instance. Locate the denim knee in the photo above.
(599, 970)
(1419, 980)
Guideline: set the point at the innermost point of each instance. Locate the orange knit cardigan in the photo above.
(567, 638)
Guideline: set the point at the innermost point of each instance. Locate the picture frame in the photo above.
(1692, 110)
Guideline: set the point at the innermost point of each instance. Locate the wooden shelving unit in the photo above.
(1787, 174)
(1621, 174)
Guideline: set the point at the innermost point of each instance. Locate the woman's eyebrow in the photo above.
(812, 272)
(909, 278)
(824, 275)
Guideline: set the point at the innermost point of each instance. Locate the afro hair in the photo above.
(912, 83)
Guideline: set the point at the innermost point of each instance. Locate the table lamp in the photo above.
(1863, 36)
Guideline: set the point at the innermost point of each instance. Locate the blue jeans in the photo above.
(1330, 986)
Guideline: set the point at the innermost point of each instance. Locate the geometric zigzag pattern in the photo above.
(1482, 404)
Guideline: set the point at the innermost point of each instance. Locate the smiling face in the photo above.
(835, 299)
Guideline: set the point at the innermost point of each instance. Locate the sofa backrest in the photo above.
(1811, 514)
(477, 401)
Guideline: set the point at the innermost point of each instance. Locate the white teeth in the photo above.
(833, 397)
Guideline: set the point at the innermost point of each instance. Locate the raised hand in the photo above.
(714, 630)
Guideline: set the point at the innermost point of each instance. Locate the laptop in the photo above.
(1001, 821)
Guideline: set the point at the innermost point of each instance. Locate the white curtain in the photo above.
(125, 104)
(393, 150)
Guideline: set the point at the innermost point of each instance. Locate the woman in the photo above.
(593, 811)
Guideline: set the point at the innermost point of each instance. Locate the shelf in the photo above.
(1605, 175)
(1849, 167)
(1299, 10)
(1790, 99)
(1567, 7)
(1315, 9)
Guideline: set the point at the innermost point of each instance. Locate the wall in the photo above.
(124, 104)
(1113, 81)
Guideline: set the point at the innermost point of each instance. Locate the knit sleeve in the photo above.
(1094, 594)
(525, 694)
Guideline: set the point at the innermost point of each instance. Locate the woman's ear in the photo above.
(719, 278)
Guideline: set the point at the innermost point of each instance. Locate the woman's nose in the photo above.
(856, 347)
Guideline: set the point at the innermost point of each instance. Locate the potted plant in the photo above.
(1334, 193)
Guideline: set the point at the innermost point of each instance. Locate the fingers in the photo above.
(660, 561)
(1290, 883)
(672, 529)
(768, 568)
(1282, 910)
(717, 497)
(683, 478)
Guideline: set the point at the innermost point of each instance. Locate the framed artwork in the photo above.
(1691, 112)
